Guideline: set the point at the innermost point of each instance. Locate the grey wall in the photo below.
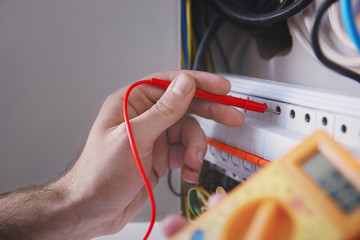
(59, 59)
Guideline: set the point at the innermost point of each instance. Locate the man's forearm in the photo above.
(42, 212)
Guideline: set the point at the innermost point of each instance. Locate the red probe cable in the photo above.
(136, 155)
(228, 100)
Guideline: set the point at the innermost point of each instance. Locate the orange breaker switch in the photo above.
(238, 153)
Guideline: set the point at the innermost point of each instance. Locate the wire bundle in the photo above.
(197, 200)
(195, 196)
(349, 22)
(196, 41)
(193, 25)
(326, 38)
(282, 12)
(333, 39)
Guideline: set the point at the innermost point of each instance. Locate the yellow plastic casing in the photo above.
(283, 201)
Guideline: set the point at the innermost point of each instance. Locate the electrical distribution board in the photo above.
(303, 110)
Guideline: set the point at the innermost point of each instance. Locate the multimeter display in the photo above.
(333, 182)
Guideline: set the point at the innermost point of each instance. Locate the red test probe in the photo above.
(228, 100)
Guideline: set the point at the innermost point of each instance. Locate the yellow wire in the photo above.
(189, 30)
(182, 59)
(202, 190)
(187, 213)
(201, 198)
(220, 189)
(197, 189)
(190, 208)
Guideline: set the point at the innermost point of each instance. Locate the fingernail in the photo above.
(201, 156)
(192, 178)
(182, 86)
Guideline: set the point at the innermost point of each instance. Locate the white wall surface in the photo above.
(59, 59)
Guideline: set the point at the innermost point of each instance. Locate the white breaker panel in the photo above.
(269, 136)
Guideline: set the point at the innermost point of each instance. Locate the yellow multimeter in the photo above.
(313, 192)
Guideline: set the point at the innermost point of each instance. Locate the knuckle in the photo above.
(165, 108)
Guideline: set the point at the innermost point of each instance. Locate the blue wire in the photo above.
(349, 22)
(184, 33)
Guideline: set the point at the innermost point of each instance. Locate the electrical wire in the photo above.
(202, 196)
(212, 179)
(300, 27)
(172, 189)
(203, 182)
(263, 18)
(189, 33)
(184, 35)
(283, 4)
(337, 26)
(190, 204)
(317, 48)
(206, 41)
(136, 154)
(349, 22)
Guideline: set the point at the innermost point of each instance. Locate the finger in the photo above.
(190, 175)
(140, 99)
(172, 105)
(189, 133)
(221, 113)
(144, 96)
(176, 156)
(160, 152)
(173, 223)
(186, 142)
(205, 81)
(167, 156)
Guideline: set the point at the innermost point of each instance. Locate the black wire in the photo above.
(283, 4)
(172, 187)
(261, 18)
(204, 46)
(201, 183)
(212, 177)
(316, 44)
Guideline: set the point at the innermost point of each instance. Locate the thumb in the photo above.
(172, 105)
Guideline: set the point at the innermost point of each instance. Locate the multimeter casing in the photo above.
(289, 199)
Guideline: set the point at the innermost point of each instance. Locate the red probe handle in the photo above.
(228, 100)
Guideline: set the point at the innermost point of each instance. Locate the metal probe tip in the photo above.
(272, 111)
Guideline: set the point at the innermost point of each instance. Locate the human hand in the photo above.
(105, 182)
(174, 223)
